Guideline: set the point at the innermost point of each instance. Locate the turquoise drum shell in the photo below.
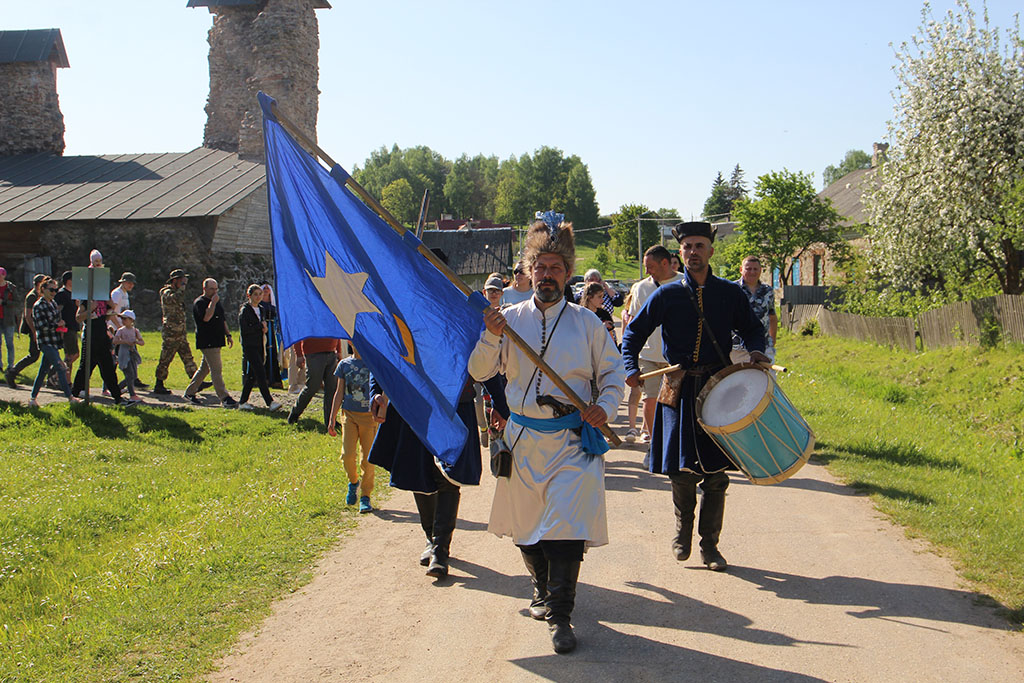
(769, 445)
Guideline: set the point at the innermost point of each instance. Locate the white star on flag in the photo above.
(343, 293)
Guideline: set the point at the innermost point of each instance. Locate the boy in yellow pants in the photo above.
(358, 426)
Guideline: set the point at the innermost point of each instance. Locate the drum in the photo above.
(745, 412)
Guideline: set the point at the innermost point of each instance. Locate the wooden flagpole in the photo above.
(368, 199)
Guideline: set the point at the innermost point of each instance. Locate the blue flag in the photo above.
(342, 272)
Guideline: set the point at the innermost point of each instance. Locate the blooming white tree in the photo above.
(943, 202)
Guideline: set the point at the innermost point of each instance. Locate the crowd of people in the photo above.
(549, 496)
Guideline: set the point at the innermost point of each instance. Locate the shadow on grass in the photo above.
(101, 421)
(901, 453)
(166, 423)
(870, 599)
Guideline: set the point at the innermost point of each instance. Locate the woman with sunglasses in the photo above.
(47, 318)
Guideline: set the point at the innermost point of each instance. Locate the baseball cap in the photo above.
(494, 282)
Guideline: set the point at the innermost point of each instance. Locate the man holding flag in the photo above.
(552, 504)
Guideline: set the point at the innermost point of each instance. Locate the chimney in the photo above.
(268, 45)
(878, 153)
(30, 117)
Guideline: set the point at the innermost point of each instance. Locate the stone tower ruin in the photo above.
(268, 45)
(30, 116)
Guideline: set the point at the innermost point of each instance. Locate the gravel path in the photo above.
(820, 587)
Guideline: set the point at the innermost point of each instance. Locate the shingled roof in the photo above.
(847, 195)
(36, 45)
(203, 182)
(474, 251)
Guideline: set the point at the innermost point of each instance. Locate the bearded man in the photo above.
(553, 502)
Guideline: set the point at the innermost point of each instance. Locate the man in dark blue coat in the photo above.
(680, 448)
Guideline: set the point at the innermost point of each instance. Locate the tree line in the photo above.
(480, 187)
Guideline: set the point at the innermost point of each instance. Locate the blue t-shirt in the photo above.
(357, 384)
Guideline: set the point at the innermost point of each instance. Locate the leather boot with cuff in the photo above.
(537, 565)
(684, 500)
(444, 526)
(562, 576)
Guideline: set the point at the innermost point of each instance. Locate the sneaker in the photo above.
(364, 505)
(124, 402)
(205, 385)
(10, 377)
(645, 437)
(229, 403)
(32, 403)
(139, 384)
(353, 491)
(74, 399)
(630, 435)
(244, 406)
(274, 406)
(193, 399)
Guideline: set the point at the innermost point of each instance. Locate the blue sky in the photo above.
(656, 97)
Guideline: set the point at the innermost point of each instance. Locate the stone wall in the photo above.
(151, 250)
(274, 49)
(30, 116)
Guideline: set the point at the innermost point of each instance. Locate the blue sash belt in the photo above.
(593, 440)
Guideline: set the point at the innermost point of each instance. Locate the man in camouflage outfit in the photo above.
(172, 303)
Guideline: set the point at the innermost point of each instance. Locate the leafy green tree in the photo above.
(943, 200)
(399, 198)
(786, 217)
(729, 254)
(737, 185)
(602, 259)
(581, 200)
(513, 201)
(458, 188)
(854, 160)
(420, 166)
(623, 230)
(718, 203)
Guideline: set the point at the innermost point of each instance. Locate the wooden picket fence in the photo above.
(985, 321)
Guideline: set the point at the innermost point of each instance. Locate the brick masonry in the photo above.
(273, 49)
(30, 116)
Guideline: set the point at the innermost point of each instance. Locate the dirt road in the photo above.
(820, 587)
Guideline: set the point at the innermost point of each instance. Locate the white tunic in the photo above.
(556, 491)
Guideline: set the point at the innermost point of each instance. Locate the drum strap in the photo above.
(705, 328)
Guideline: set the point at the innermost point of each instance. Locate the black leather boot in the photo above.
(159, 388)
(444, 526)
(537, 565)
(684, 500)
(712, 513)
(562, 576)
(427, 507)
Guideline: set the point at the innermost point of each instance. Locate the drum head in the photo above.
(734, 397)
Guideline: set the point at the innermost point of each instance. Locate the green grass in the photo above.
(137, 544)
(936, 439)
(586, 245)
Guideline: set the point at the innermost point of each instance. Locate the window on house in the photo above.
(795, 279)
(776, 278)
(819, 270)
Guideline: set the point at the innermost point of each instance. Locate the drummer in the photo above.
(700, 345)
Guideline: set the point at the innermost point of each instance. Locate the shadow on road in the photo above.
(877, 599)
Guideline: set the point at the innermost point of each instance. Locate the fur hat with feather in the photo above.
(550, 234)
